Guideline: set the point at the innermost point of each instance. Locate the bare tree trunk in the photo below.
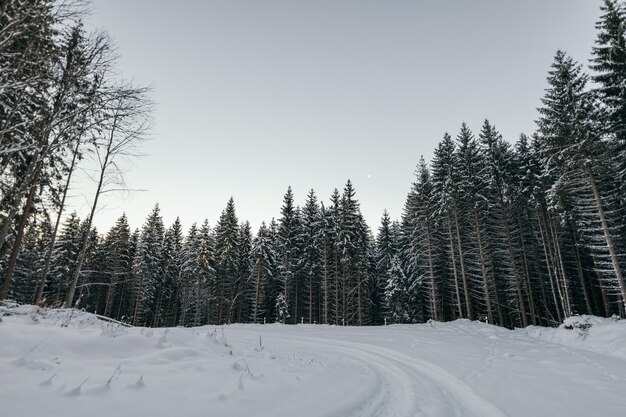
(531, 301)
(310, 299)
(547, 251)
(433, 286)
(607, 235)
(296, 298)
(605, 297)
(183, 311)
(566, 292)
(30, 179)
(196, 319)
(110, 294)
(344, 300)
(69, 297)
(468, 305)
(137, 302)
(256, 293)
(325, 282)
(456, 278)
(518, 284)
(483, 270)
(359, 300)
(121, 302)
(336, 279)
(581, 276)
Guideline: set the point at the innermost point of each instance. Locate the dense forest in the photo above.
(509, 232)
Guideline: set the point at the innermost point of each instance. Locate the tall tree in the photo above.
(148, 268)
(226, 262)
(575, 157)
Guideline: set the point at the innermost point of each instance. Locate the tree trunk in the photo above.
(18, 242)
(137, 302)
(433, 288)
(359, 300)
(547, 251)
(30, 180)
(581, 276)
(336, 279)
(81, 258)
(110, 295)
(607, 236)
(531, 301)
(468, 305)
(325, 313)
(567, 306)
(456, 278)
(483, 269)
(518, 284)
(42, 281)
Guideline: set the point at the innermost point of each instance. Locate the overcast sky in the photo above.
(254, 96)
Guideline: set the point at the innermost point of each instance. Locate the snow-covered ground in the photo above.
(64, 363)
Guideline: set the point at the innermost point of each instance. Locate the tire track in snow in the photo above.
(411, 387)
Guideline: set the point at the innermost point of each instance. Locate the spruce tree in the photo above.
(226, 263)
(575, 159)
(118, 266)
(263, 275)
(148, 269)
(288, 235)
(446, 206)
(243, 287)
(311, 235)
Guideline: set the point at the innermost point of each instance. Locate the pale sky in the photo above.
(254, 96)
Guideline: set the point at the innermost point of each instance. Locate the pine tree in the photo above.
(148, 268)
(424, 241)
(64, 258)
(398, 294)
(472, 188)
(263, 275)
(446, 205)
(499, 233)
(352, 246)
(243, 287)
(28, 265)
(118, 266)
(609, 66)
(288, 236)
(275, 284)
(172, 274)
(574, 157)
(311, 235)
(226, 257)
(386, 249)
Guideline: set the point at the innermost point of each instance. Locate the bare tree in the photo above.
(127, 125)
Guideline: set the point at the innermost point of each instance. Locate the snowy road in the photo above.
(406, 385)
(445, 369)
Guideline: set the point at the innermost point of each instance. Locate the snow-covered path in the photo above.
(443, 369)
(407, 386)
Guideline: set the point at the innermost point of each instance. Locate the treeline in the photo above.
(511, 233)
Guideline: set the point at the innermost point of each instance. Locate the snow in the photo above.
(69, 363)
